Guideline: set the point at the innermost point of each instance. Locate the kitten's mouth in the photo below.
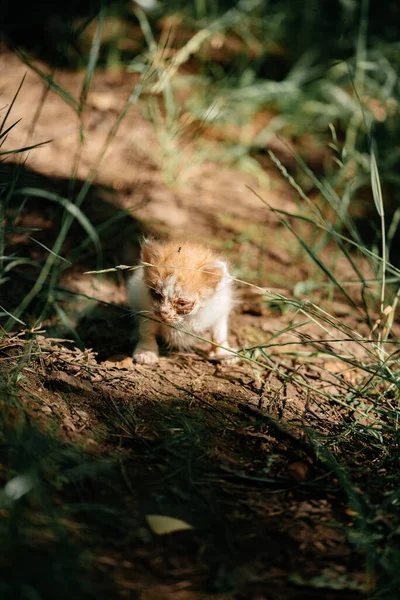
(168, 319)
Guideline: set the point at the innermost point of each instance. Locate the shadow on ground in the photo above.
(67, 299)
(257, 531)
(223, 473)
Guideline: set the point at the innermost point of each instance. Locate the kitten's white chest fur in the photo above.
(173, 312)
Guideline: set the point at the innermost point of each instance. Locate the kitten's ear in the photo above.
(150, 251)
(215, 272)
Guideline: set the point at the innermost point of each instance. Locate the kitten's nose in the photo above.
(166, 317)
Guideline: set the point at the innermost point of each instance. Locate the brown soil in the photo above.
(269, 518)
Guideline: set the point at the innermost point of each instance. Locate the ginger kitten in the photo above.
(188, 287)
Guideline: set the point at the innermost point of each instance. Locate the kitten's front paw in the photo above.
(145, 357)
(224, 356)
(230, 360)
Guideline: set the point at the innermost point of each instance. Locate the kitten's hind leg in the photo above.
(146, 352)
(219, 335)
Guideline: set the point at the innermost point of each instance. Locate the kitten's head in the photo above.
(181, 279)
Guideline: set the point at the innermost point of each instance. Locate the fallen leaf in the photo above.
(299, 471)
(161, 525)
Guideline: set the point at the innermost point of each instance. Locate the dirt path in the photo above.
(269, 522)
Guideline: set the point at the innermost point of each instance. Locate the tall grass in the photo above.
(373, 395)
(55, 263)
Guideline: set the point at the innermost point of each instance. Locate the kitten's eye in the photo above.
(181, 302)
(156, 295)
(183, 306)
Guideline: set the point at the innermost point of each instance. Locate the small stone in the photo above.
(82, 414)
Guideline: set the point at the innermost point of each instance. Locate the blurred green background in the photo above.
(323, 75)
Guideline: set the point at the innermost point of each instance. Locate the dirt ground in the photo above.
(213, 445)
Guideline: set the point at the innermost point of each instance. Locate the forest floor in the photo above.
(223, 448)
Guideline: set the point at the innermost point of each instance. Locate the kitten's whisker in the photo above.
(185, 329)
(140, 313)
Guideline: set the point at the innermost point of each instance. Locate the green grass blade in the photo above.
(93, 59)
(74, 211)
(16, 262)
(69, 326)
(376, 183)
(146, 29)
(12, 103)
(25, 149)
(49, 250)
(100, 229)
(58, 89)
(13, 317)
(4, 133)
